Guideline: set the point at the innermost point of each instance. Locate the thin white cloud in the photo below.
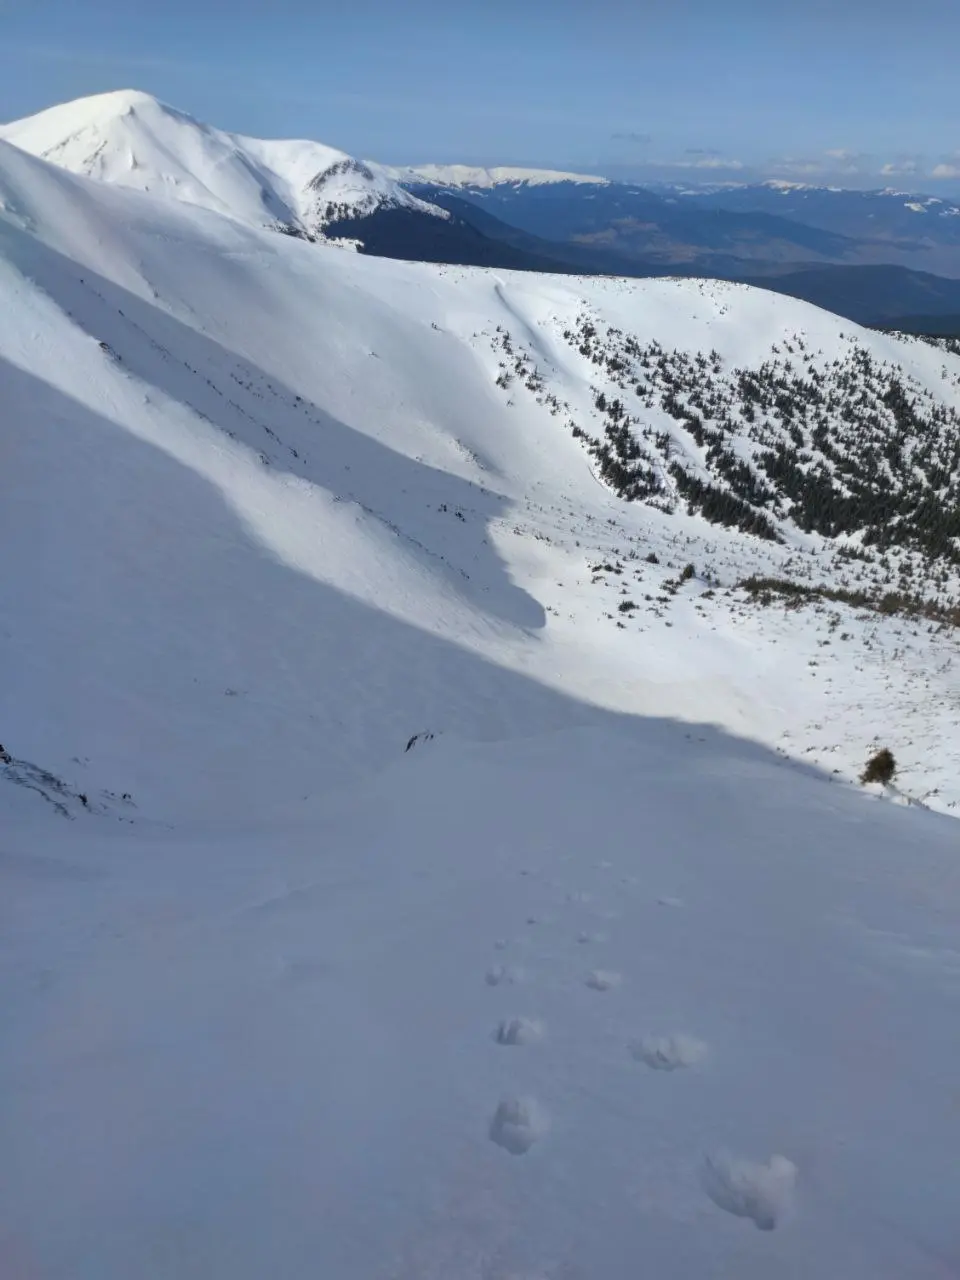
(632, 135)
(903, 165)
(946, 171)
(791, 165)
(102, 59)
(704, 162)
(831, 163)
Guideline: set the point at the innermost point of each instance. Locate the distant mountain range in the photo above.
(775, 224)
(642, 227)
(875, 256)
(917, 231)
(883, 258)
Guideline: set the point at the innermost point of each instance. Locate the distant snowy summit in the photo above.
(301, 188)
(462, 175)
(134, 140)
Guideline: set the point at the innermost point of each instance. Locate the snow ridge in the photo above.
(134, 140)
(462, 175)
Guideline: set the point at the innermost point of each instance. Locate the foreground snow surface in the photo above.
(371, 1042)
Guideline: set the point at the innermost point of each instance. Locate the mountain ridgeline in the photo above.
(833, 438)
(879, 258)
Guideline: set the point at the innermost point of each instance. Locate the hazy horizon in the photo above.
(811, 93)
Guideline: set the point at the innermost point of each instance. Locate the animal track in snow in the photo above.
(749, 1189)
(519, 1031)
(603, 979)
(517, 1124)
(667, 1053)
(501, 974)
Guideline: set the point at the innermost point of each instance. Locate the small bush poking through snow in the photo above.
(880, 767)
(687, 573)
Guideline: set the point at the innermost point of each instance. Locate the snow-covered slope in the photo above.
(383, 463)
(131, 139)
(464, 175)
(588, 1006)
(386, 893)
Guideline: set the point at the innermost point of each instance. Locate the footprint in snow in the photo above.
(667, 1053)
(502, 974)
(517, 1124)
(603, 979)
(519, 1031)
(750, 1189)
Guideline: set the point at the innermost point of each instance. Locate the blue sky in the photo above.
(863, 93)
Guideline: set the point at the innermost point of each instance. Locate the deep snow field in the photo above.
(380, 900)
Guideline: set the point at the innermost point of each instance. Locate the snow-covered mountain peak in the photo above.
(52, 125)
(82, 135)
(133, 140)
